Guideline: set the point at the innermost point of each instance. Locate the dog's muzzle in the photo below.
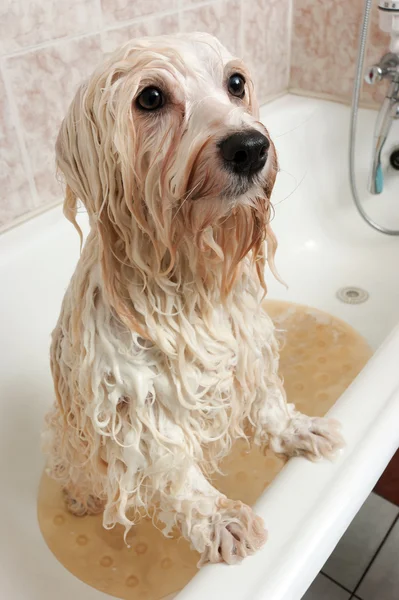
(245, 152)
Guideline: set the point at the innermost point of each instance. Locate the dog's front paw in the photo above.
(319, 437)
(237, 532)
(312, 437)
(325, 438)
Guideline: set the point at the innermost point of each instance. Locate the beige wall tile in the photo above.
(15, 196)
(25, 23)
(43, 84)
(266, 45)
(113, 38)
(166, 24)
(221, 19)
(324, 47)
(115, 11)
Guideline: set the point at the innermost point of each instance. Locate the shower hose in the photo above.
(353, 123)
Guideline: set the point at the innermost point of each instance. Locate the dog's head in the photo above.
(163, 143)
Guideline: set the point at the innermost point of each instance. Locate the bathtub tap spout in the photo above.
(387, 68)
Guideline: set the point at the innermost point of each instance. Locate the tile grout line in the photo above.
(336, 582)
(367, 569)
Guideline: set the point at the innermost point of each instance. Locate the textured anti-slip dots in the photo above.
(320, 357)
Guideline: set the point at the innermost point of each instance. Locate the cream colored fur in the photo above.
(163, 354)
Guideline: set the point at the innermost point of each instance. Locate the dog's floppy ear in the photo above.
(72, 147)
(85, 151)
(89, 160)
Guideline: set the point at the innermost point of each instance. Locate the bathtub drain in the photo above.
(352, 295)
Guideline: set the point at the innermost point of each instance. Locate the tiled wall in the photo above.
(48, 46)
(324, 48)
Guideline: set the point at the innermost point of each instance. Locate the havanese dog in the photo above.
(163, 354)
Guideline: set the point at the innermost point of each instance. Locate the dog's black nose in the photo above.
(245, 152)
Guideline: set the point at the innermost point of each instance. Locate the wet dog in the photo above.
(163, 354)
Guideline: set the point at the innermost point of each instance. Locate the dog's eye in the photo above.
(150, 98)
(236, 85)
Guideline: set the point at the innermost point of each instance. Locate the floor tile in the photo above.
(324, 589)
(382, 580)
(359, 543)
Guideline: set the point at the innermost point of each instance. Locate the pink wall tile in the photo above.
(324, 47)
(166, 25)
(43, 83)
(15, 196)
(116, 37)
(222, 19)
(26, 23)
(115, 11)
(266, 45)
(113, 38)
(44, 70)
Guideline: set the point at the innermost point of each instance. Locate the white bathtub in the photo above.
(323, 245)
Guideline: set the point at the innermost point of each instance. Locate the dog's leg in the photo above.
(292, 433)
(79, 497)
(66, 465)
(81, 503)
(222, 530)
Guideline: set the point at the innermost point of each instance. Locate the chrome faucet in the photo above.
(387, 68)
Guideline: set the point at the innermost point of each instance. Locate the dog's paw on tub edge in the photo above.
(314, 438)
(240, 536)
(322, 440)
